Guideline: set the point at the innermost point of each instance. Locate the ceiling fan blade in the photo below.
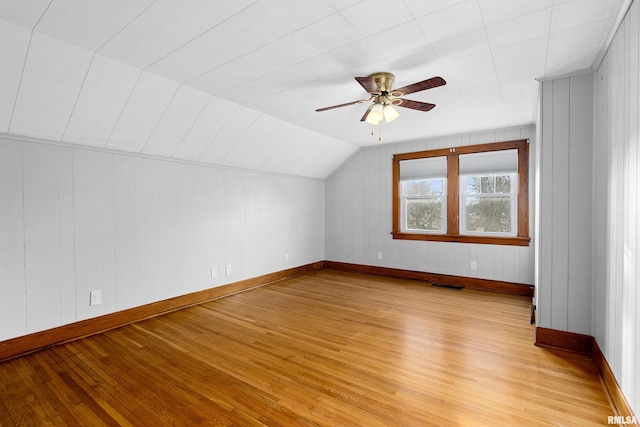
(360, 101)
(366, 113)
(368, 84)
(414, 105)
(417, 87)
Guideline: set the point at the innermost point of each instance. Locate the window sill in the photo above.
(487, 240)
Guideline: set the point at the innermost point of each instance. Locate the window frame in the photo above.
(452, 233)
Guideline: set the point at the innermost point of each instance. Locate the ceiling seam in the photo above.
(495, 68)
(198, 36)
(75, 104)
(24, 66)
(206, 105)
(258, 48)
(124, 107)
(125, 26)
(153, 131)
(44, 12)
(218, 132)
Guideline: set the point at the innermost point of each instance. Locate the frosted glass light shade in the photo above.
(375, 115)
(390, 113)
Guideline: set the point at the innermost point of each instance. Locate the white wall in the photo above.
(564, 277)
(141, 230)
(358, 217)
(616, 208)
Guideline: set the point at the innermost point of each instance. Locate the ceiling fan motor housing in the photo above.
(383, 80)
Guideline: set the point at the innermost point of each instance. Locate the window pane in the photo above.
(424, 214)
(503, 184)
(423, 187)
(487, 184)
(472, 185)
(488, 214)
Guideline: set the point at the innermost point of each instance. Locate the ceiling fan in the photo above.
(379, 86)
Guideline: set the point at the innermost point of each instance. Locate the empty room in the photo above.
(319, 213)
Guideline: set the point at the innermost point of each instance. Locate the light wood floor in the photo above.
(326, 348)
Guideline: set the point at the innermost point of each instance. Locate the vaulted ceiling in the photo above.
(236, 83)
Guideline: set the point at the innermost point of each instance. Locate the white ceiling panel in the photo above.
(496, 11)
(245, 148)
(461, 18)
(296, 14)
(521, 51)
(526, 27)
(14, 46)
(25, 13)
(145, 107)
(208, 124)
(522, 69)
(53, 75)
(375, 16)
(238, 83)
(179, 117)
(9, 83)
(588, 35)
(13, 51)
(104, 94)
(576, 13)
(343, 4)
(167, 26)
(245, 32)
(463, 45)
(403, 38)
(53, 59)
(231, 132)
(43, 107)
(89, 23)
(567, 62)
(472, 64)
(420, 8)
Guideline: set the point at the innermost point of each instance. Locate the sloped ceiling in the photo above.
(236, 83)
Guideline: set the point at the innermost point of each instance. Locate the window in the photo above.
(474, 194)
(424, 195)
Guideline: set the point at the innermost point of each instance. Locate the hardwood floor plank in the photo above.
(323, 349)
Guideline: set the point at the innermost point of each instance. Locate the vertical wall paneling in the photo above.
(41, 236)
(560, 202)
(92, 226)
(564, 278)
(138, 229)
(128, 216)
(631, 203)
(358, 218)
(66, 235)
(13, 315)
(580, 282)
(616, 207)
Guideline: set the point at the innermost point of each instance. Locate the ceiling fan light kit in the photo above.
(379, 86)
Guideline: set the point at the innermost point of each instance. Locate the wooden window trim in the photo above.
(453, 197)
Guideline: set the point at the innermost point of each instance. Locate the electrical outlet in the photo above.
(95, 297)
(474, 265)
(379, 256)
(286, 257)
(227, 269)
(214, 272)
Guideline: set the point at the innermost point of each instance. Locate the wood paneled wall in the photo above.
(358, 218)
(616, 207)
(564, 277)
(139, 229)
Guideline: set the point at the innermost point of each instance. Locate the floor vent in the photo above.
(444, 285)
